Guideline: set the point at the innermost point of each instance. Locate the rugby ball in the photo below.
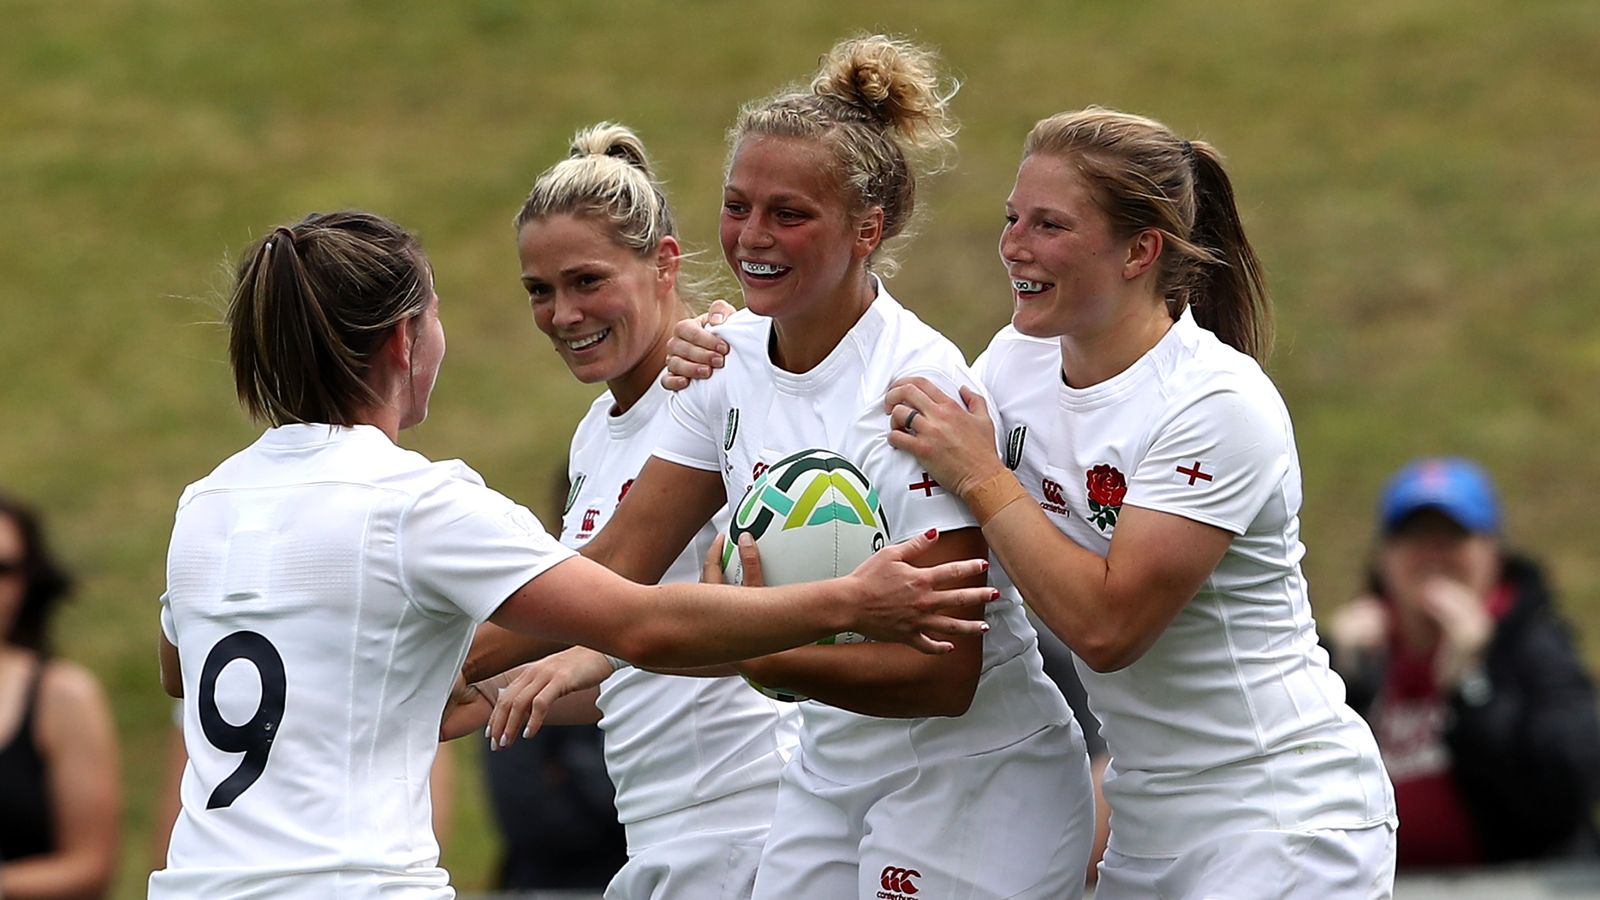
(814, 515)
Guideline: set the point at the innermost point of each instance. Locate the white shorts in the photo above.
(1323, 864)
(715, 865)
(1013, 822)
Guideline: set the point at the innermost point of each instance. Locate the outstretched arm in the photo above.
(666, 506)
(680, 625)
(888, 680)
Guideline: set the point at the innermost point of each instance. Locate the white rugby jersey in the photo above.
(753, 414)
(1232, 720)
(322, 587)
(671, 742)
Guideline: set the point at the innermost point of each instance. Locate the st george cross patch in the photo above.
(1192, 474)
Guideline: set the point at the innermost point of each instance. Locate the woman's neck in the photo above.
(1089, 359)
(803, 340)
(627, 389)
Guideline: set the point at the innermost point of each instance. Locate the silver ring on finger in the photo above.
(906, 425)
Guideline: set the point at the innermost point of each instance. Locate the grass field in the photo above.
(1420, 177)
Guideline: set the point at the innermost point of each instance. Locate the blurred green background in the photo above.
(1420, 177)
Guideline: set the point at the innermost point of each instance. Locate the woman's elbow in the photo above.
(651, 647)
(1109, 652)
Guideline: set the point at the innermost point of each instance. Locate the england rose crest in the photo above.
(1106, 487)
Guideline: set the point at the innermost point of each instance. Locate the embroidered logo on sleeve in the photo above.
(572, 494)
(926, 485)
(1106, 487)
(1014, 444)
(1193, 474)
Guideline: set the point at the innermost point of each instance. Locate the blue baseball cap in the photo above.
(1456, 487)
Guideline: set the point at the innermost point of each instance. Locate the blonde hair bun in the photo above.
(613, 140)
(895, 82)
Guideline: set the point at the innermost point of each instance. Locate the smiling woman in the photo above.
(695, 760)
(817, 180)
(601, 262)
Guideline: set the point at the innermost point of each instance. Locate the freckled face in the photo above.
(1059, 249)
(786, 229)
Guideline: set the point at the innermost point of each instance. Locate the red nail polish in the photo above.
(994, 595)
(932, 533)
(985, 566)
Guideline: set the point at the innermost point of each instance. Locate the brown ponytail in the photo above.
(1145, 176)
(311, 304)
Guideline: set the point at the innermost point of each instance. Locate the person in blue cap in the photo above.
(1459, 660)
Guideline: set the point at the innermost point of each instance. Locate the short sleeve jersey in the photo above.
(753, 414)
(671, 742)
(1232, 720)
(322, 588)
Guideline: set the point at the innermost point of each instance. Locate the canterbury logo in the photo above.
(898, 881)
(572, 494)
(1052, 492)
(1014, 444)
(732, 431)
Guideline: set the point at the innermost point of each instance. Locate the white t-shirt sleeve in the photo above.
(465, 548)
(687, 436)
(1216, 461)
(912, 500)
(168, 629)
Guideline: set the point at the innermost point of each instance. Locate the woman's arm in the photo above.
(171, 671)
(685, 625)
(78, 742)
(887, 680)
(665, 508)
(1108, 610)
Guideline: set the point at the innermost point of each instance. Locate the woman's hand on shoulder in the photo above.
(953, 438)
(694, 350)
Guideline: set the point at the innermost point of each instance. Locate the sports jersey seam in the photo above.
(1269, 765)
(352, 692)
(400, 558)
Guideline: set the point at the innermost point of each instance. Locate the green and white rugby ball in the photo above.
(814, 515)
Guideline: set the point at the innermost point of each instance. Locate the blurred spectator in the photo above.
(1470, 680)
(552, 803)
(60, 791)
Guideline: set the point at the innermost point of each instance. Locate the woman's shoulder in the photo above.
(70, 698)
(904, 343)
(1201, 365)
(744, 327)
(1011, 351)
